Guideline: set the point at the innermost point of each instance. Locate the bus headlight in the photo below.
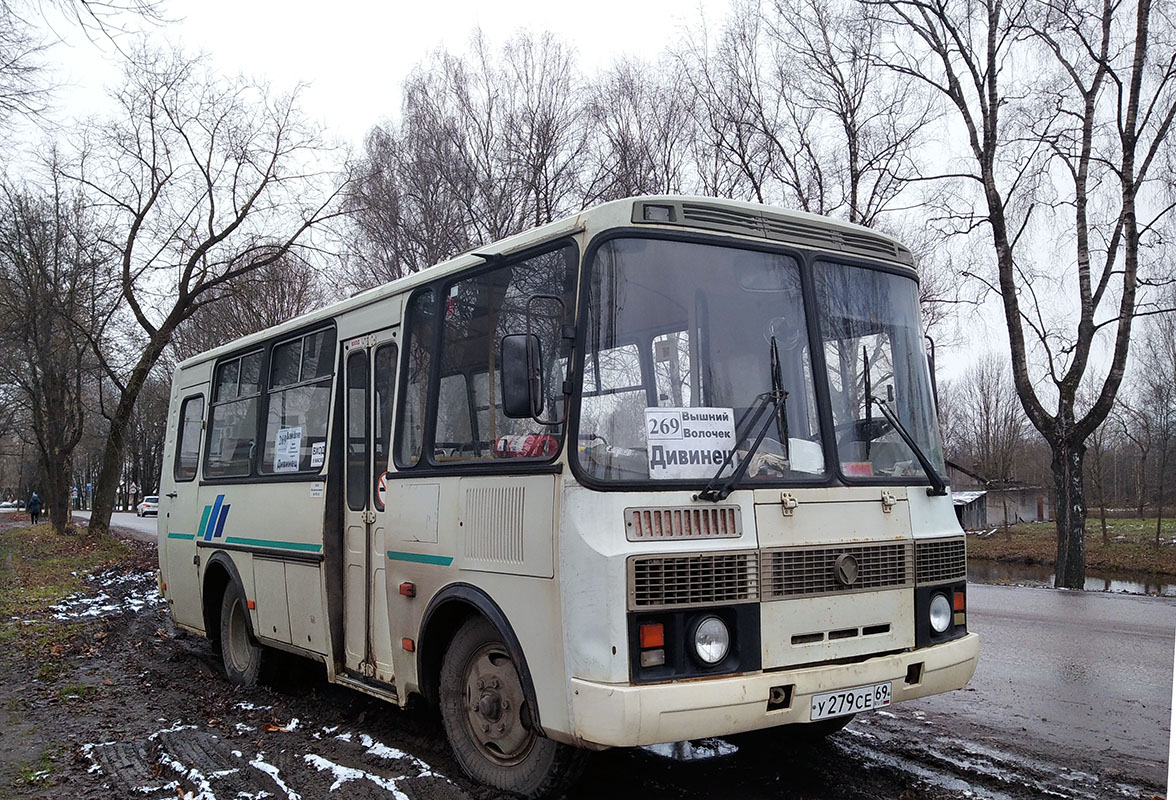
(940, 613)
(711, 640)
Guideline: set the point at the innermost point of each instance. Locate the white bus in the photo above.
(663, 470)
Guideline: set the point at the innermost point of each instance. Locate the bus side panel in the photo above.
(496, 534)
(274, 533)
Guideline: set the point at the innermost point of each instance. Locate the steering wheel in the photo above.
(866, 430)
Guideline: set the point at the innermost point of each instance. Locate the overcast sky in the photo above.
(354, 55)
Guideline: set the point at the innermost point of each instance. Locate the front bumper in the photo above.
(623, 715)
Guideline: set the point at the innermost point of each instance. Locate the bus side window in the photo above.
(232, 424)
(299, 403)
(384, 383)
(188, 441)
(477, 312)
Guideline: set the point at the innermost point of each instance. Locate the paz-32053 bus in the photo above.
(663, 470)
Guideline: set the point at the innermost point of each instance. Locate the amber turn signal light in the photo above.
(652, 634)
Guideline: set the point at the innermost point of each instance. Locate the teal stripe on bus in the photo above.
(313, 548)
(186, 536)
(420, 558)
(203, 522)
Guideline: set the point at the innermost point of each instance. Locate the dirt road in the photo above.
(135, 708)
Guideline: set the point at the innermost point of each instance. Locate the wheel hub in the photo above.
(494, 701)
(490, 706)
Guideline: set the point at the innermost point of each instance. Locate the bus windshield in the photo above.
(694, 350)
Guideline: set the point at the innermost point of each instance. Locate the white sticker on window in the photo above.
(288, 449)
(688, 442)
(318, 454)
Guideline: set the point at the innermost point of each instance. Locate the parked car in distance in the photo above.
(8, 504)
(149, 506)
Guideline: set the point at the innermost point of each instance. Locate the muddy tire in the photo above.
(486, 719)
(240, 653)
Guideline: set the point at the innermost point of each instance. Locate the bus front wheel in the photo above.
(483, 710)
(240, 653)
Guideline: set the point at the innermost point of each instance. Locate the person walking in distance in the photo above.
(35, 508)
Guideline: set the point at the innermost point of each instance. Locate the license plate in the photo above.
(850, 701)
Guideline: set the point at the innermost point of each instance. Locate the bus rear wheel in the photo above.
(483, 708)
(239, 652)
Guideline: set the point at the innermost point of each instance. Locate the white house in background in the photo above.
(982, 502)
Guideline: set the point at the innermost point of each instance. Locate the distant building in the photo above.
(984, 502)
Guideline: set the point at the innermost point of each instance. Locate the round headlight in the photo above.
(712, 640)
(940, 613)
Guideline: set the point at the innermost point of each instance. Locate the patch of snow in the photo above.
(274, 773)
(88, 752)
(381, 750)
(140, 592)
(250, 707)
(204, 788)
(176, 726)
(693, 751)
(243, 728)
(345, 775)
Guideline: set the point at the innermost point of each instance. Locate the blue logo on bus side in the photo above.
(212, 523)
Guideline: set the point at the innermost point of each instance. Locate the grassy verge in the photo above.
(39, 568)
(1130, 546)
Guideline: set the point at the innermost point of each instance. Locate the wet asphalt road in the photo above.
(1079, 677)
(141, 528)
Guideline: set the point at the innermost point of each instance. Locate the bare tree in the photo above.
(267, 296)
(488, 145)
(793, 99)
(403, 214)
(511, 131)
(1100, 451)
(1064, 109)
(641, 124)
(21, 90)
(54, 299)
(24, 90)
(988, 426)
(1149, 410)
(1136, 427)
(205, 180)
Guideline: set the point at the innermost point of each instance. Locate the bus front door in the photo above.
(370, 369)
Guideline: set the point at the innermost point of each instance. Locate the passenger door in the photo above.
(369, 380)
(179, 512)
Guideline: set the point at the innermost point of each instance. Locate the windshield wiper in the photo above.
(938, 486)
(716, 491)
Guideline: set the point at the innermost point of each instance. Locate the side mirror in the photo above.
(522, 376)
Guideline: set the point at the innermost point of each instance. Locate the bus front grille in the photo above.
(692, 579)
(940, 561)
(806, 571)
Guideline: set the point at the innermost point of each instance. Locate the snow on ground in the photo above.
(692, 751)
(204, 779)
(117, 593)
